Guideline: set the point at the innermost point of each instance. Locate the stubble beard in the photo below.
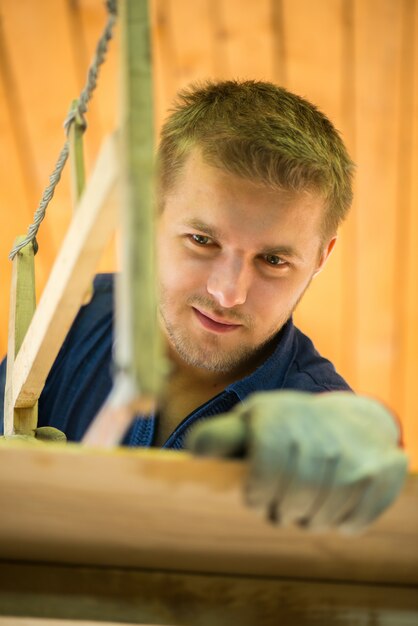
(211, 355)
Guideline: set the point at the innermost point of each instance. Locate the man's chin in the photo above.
(209, 353)
(210, 363)
(212, 359)
(207, 357)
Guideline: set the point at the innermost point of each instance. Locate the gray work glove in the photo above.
(316, 460)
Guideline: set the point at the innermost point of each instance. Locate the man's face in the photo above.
(234, 259)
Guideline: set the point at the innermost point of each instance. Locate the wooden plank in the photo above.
(14, 111)
(71, 275)
(404, 197)
(33, 621)
(169, 510)
(247, 42)
(309, 62)
(85, 21)
(76, 157)
(22, 308)
(156, 597)
(38, 38)
(194, 58)
(378, 64)
(165, 61)
(407, 291)
(348, 235)
(19, 185)
(137, 354)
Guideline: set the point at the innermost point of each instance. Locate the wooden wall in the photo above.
(356, 59)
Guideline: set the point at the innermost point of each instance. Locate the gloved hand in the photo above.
(316, 460)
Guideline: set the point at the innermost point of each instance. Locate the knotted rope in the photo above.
(79, 111)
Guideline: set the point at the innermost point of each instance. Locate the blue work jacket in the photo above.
(81, 377)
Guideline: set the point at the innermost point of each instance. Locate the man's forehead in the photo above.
(204, 168)
(200, 182)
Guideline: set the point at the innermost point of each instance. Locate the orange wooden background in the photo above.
(356, 59)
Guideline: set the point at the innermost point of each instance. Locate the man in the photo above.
(253, 183)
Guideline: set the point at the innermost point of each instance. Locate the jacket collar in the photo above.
(272, 373)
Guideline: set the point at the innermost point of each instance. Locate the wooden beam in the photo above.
(172, 511)
(74, 268)
(137, 349)
(138, 360)
(132, 596)
(22, 308)
(78, 178)
(35, 621)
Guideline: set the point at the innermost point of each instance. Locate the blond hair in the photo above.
(261, 132)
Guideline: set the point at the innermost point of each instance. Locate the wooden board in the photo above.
(168, 510)
(36, 621)
(93, 223)
(22, 308)
(409, 327)
(168, 598)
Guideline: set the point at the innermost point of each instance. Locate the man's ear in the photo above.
(325, 252)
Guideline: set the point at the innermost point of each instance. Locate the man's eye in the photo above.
(273, 259)
(201, 240)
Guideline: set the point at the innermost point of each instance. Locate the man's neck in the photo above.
(189, 387)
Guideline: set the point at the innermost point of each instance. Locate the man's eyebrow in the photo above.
(282, 251)
(202, 226)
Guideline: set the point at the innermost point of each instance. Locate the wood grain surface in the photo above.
(168, 510)
(168, 598)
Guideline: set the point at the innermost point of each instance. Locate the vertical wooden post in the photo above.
(78, 178)
(137, 352)
(137, 355)
(75, 137)
(22, 307)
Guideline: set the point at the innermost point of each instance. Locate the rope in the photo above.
(78, 111)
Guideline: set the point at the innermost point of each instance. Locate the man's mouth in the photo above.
(214, 323)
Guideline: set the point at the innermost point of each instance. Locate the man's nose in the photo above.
(229, 282)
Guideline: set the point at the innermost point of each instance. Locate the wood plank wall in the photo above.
(356, 59)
